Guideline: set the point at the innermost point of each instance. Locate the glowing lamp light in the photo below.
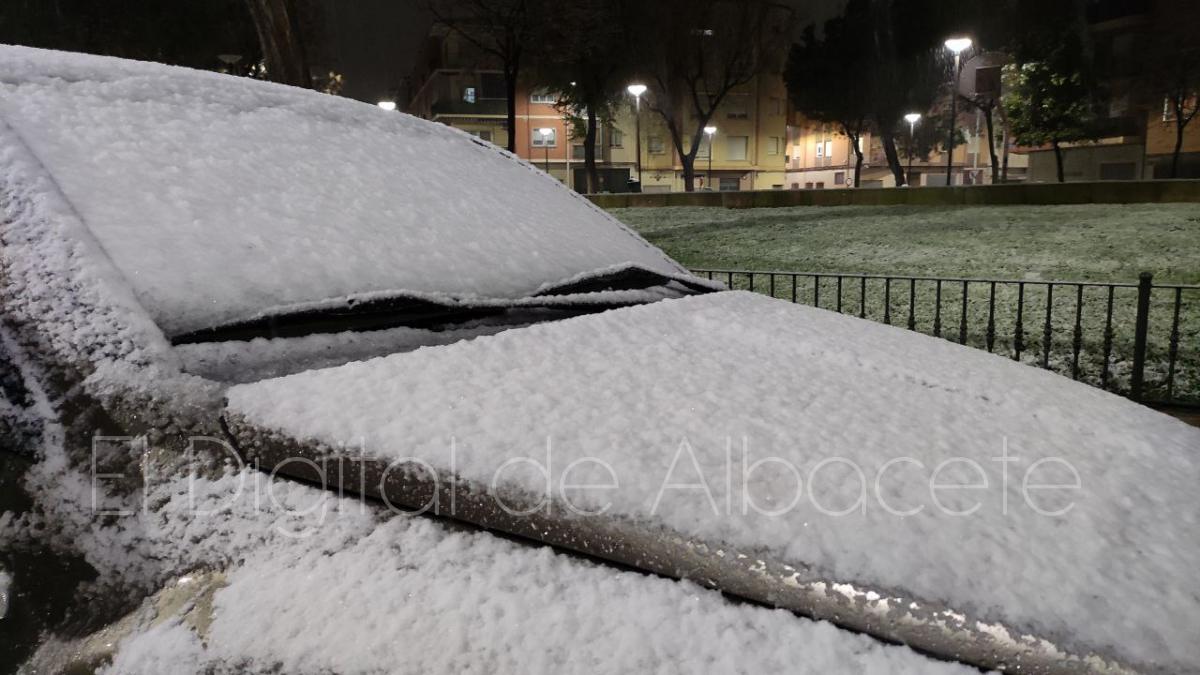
(387, 105)
(636, 89)
(958, 45)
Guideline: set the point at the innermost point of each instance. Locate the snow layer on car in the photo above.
(349, 591)
(680, 400)
(218, 197)
(262, 358)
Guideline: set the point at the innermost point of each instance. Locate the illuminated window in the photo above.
(541, 140)
(543, 96)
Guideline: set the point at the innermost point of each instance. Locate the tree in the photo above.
(1050, 103)
(498, 28)
(1169, 69)
(928, 136)
(875, 63)
(583, 56)
(278, 25)
(826, 83)
(694, 53)
(903, 72)
(987, 105)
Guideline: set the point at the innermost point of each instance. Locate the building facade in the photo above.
(455, 84)
(1138, 129)
(821, 157)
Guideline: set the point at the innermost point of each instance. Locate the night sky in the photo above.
(375, 43)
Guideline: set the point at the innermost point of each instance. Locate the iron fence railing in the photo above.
(1140, 340)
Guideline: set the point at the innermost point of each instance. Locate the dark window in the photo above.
(1118, 171)
(491, 86)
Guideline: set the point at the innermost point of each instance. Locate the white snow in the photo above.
(217, 197)
(646, 389)
(5, 584)
(359, 593)
(318, 583)
(57, 276)
(261, 358)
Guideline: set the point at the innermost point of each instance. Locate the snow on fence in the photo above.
(1140, 340)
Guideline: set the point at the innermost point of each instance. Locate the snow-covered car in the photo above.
(212, 285)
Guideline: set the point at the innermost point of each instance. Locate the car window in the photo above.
(220, 197)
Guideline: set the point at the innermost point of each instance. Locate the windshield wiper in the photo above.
(627, 278)
(584, 294)
(375, 314)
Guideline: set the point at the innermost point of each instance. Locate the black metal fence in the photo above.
(1140, 340)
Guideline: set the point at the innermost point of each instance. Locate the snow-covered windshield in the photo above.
(222, 198)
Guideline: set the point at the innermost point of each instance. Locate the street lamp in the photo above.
(958, 46)
(637, 90)
(546, 132)
(710, 131)
(387, 105)
(912, 119)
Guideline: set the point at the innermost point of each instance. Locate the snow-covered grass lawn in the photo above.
(1086, 243)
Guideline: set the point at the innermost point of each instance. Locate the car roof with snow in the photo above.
(715, 412)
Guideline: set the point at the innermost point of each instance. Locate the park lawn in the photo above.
(1077, 242)
(1098, 243)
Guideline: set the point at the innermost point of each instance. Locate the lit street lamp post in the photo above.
(637, 90)
(958, 46)
(546, 132)
(710, 131)
(912, 119)
(387, 105)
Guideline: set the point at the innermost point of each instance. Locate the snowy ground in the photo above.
(1088, 243)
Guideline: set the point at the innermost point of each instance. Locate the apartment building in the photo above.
(748, 150)
(1138, 130)
(821, 157)
(455, 84)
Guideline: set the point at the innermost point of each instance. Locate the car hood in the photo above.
(894, 483)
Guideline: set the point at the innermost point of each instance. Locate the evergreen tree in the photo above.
(584, 57)
(1049, 103)
(825, 79)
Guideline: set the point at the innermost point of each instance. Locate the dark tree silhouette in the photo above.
(826, 84)
(1169, 70)
(279, 34)
(584, 56)
(498, 28)
(694, 53)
